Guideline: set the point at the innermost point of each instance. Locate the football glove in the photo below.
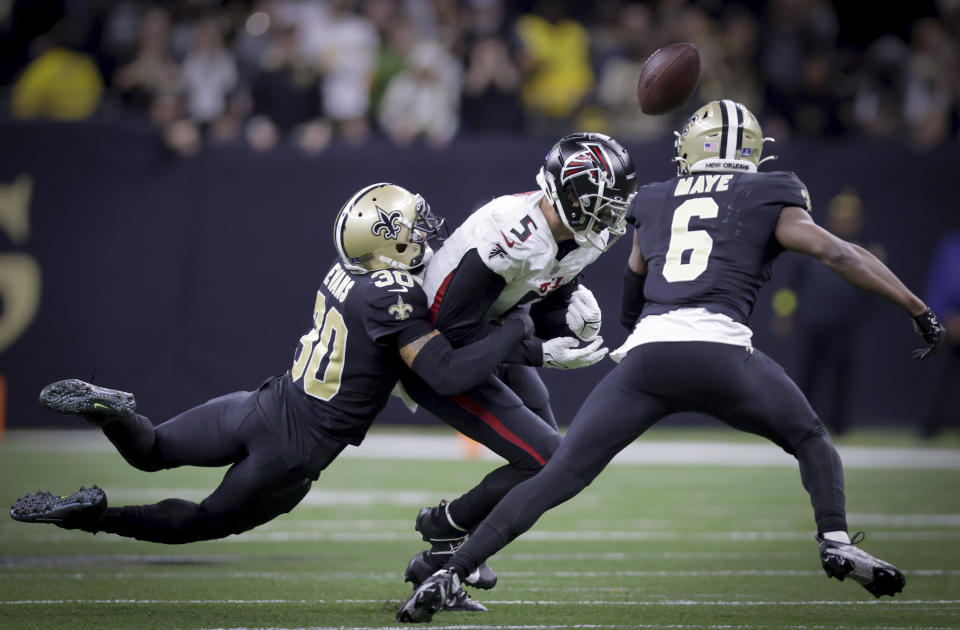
(562, 353)
(929, 327)
(583, 314)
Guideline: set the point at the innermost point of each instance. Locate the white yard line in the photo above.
(432, 446)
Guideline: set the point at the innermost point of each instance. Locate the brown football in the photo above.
(668, 78)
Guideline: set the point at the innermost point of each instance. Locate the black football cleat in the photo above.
(482, 577)
(842, 560)
(440, 588)
(97, 404)
(81, 510)
(462, 602)
(435, 527)
(426, 563)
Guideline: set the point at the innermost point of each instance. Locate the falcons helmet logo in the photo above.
(592, 161)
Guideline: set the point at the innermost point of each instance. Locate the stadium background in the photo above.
(166, 209)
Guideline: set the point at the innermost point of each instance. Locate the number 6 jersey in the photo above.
(708, 241)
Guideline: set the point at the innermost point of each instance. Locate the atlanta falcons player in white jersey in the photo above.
(519, 249)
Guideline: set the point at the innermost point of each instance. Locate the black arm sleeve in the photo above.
(450, 371)
(550, 314)
(527, 352)
(471, 292)
(631, 304)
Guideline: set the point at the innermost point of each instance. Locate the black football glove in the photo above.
(929, 327)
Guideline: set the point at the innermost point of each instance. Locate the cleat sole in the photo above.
(886, 582)
(423, 606)
(76, 511)
(76, 397)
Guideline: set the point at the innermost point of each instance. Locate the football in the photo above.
(668, 78)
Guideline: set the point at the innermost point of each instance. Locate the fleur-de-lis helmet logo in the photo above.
(388, 223)
(401, 310)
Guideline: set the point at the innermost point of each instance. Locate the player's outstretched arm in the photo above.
(796, 231)
(451, 371)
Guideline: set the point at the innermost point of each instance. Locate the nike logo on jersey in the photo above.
(99, 406)
(506, 240)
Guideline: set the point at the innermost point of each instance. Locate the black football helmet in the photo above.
(590, 180)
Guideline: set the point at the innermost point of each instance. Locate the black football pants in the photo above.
(742, 387)
(229, 430)
(499, 418)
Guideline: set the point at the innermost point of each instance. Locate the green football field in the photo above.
(699, 542)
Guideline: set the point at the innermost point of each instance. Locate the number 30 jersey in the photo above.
(348, 362)
(708, 238)
(513, 239)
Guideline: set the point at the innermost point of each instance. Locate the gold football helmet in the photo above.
(720, 136)
(384, 226)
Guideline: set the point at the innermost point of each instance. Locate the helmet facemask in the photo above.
(597, 184)
(426, 228)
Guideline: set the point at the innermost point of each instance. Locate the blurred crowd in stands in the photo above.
(312, 71)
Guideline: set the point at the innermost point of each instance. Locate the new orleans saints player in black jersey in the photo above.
(704, 244)
(370, 319)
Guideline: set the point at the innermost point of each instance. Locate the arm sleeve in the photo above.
(450, 371)
(473, 289)
(632, 300)
(527, 352)
(550, 314)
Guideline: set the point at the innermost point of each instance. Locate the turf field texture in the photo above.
(702, 529)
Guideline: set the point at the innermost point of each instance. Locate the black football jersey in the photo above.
(708, 238)
(347, 364)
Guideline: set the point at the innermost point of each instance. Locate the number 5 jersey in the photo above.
(512, 238)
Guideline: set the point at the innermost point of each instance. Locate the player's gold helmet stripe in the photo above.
(720, 136)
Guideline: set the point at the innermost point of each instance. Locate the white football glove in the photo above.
(583, 314)
(562, 353)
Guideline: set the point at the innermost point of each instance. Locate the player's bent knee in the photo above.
(533, 460)
(187, 522)
(260, 507)
(551, 445)
(146, 462)
(816, 437)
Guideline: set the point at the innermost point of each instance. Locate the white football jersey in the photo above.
(512, 237)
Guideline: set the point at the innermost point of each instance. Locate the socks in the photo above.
(840, 537)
